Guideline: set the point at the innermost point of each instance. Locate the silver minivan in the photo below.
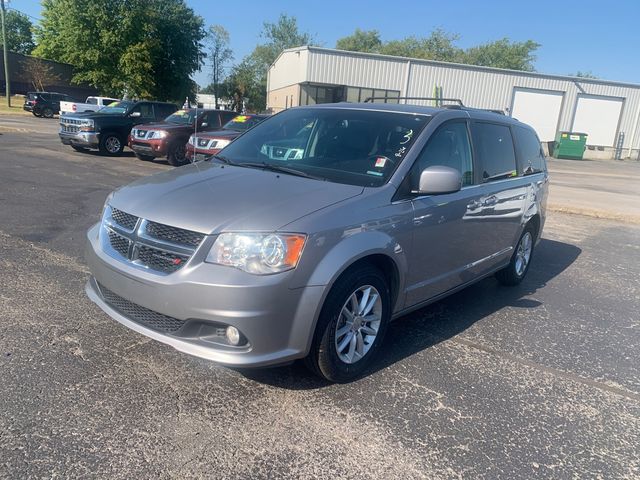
(308, 234)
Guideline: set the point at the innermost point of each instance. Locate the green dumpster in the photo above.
(570, 145)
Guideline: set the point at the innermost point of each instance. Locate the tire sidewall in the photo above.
(171, 156)
(47, 112)
(328, 363)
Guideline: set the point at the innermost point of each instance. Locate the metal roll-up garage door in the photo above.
(538, 108)
(598, 117)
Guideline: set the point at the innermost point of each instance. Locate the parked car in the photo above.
(91, 104)
(108, 129)
(204, 144)
(169, 137)
(257, 258)
(44, 104)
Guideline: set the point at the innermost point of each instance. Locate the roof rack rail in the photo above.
(438, 99)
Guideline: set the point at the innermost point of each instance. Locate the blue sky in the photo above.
(587, 35)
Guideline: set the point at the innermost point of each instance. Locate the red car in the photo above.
(203, 145)
(168, 138)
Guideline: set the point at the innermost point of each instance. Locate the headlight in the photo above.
(220, 144)
(157, 134)
(192, 140)
(106, 204)
(134, 132)
(259, 253)
(87, 126)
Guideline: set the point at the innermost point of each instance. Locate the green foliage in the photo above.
(361, 41)
(219, 55)
(441, 45)
(503, 54)
(249, 78)
(19, 32)
(143, 48)
(581, 74)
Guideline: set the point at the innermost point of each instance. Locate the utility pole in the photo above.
(7, 81)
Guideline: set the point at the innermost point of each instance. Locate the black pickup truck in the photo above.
(108, 129)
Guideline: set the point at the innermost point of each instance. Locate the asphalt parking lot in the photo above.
(537, 381)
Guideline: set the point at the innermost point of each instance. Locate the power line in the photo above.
(23, 13)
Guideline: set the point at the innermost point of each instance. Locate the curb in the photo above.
(593, 213)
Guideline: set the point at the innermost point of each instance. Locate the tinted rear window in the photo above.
(494, 148)
(529, 151)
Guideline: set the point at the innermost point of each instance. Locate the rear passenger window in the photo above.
(449, 147)
(529, 151)
(494, 148)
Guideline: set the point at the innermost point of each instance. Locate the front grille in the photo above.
(144, 316)
(174, 234)
(119, 243)
(124, 219)
(70, 128)
(160, 260)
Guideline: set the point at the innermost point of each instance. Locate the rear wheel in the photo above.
(111, 144)
(518, 267)
(47, 113)
(36, 114)
(177, 154)
(352, 325)
(146, 158)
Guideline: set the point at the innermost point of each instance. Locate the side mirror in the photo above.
(438, 180)
(135, 114)
(204, 125)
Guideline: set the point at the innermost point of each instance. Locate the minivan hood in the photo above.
(210, 198)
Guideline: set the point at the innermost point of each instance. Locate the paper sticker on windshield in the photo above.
(381, 162)
(113, 104)
(182, 113)
(241, 119)
(377, 174)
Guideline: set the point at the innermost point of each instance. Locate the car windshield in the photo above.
(182, 117)
(242, 122)
(356, 147)
(116, 108)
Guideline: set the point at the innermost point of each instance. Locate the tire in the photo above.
(146, 158)
(176, 155)
(111, 144)
(520, 261)
(78, 149)
(36, 114)
(47, 112)
(331, 348)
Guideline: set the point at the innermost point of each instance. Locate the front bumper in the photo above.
(28, 108)
(82, 139)
(277, 321)
(152, 148)
(198, 153)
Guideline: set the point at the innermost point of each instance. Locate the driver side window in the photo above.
(145, 109)
(449, 146)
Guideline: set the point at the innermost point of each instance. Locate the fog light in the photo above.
(233, 335)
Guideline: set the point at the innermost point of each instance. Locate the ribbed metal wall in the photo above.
(476, 86)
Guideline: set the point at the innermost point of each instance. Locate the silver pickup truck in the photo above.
(91, 104)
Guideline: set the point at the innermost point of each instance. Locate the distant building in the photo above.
(27, 72)
(607, 111)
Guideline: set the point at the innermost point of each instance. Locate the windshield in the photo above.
(242, 122)
(356, 147)
(116, 108)
(182, 117)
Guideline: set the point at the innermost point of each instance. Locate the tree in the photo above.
(40, 73)
(441, 45)
(503, 54)
(219, 54)
(361, 41)
(249, 78)
(19, 32)
(146, 48)
(581, 74)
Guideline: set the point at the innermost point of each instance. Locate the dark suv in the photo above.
(108, 129)
(168, 138)
(45, 104)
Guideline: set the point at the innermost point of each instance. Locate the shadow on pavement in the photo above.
(442, 320)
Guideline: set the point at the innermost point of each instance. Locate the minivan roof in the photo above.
(420, 110)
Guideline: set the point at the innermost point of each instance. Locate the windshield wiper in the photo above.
(278, 168)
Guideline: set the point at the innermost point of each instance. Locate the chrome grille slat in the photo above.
(150, 245)
(148, 318)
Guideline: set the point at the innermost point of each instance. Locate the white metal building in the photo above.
(607, 111)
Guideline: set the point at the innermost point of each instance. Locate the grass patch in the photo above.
(16, 106)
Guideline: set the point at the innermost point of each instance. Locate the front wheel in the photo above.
(177, 154)
(110, 144)
(351, 326)
(47, 113)
(518, 267)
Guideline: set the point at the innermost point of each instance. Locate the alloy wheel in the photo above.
(523, 253)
